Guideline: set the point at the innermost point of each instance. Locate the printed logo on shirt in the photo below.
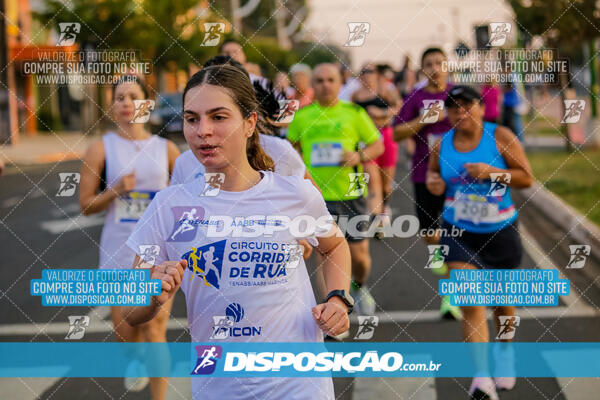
(186, 223)
(262, 263)
(207, 359)
(229, 325)
(206, 262)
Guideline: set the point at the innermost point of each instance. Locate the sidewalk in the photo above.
(46, 148)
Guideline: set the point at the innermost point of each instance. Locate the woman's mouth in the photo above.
(207, 150)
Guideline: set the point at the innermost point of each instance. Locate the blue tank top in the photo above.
(473, 205)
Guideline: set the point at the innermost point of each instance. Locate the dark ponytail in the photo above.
(242, 92)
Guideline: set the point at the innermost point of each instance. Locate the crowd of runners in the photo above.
(333, 164)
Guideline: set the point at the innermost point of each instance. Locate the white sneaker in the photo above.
(136, 383)
(482, 388)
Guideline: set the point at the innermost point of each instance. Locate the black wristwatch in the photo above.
(346, 298)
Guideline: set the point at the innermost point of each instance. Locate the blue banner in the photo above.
(352, 359)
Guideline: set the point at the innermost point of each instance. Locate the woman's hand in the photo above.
(435, 184)
(332, 316)
(170, 273)
(126, 184)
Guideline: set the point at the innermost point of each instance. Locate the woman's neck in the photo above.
(473, 133)
(238, 177)
(132, 131)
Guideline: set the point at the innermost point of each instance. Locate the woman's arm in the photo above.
(170, 273)
(332, 316)
(90, 201)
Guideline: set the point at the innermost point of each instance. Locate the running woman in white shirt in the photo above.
(120, 174)
(252, 292)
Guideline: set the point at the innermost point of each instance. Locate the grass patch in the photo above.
(575, 178)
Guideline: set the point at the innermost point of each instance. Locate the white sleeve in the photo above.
(150, 231)
(177, 174)
(315, 207)
(294, 161)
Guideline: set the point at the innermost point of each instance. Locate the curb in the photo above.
(571, 221)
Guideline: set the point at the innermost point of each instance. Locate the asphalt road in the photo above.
(39, 230)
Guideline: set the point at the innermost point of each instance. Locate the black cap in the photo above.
(462, 92)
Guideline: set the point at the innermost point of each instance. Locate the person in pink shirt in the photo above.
(491, 95)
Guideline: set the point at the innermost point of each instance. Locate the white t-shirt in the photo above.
(245, 285)
(287, 161)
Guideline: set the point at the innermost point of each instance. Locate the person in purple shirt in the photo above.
(423, 118)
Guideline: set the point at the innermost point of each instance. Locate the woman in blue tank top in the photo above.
(475, 165)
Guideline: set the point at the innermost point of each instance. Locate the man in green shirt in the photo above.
(330, 133)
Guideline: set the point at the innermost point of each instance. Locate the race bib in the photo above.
(326, 154)
(475, 211)
(131, 206)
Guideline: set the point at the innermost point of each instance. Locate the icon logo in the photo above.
(68, 183)
(499, 32)
(143, 108)
(500, 181)
(77, 325)
(68, 33)
(186, 223)
(357, 33)
(148, 254)
(224, 325)
(206, 262)
(508, 326)
(212, 183)
(358, 184)
(573, 111)
(432, 111)
(207, 359)
(213, 31)
(579, 253)
(287, 109)
(437, 255)
(366, 328)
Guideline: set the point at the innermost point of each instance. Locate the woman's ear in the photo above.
(251, 124)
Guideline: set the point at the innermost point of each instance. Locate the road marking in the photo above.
(58, 226)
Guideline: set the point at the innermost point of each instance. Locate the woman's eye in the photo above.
(219, 117)
(190, 120)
